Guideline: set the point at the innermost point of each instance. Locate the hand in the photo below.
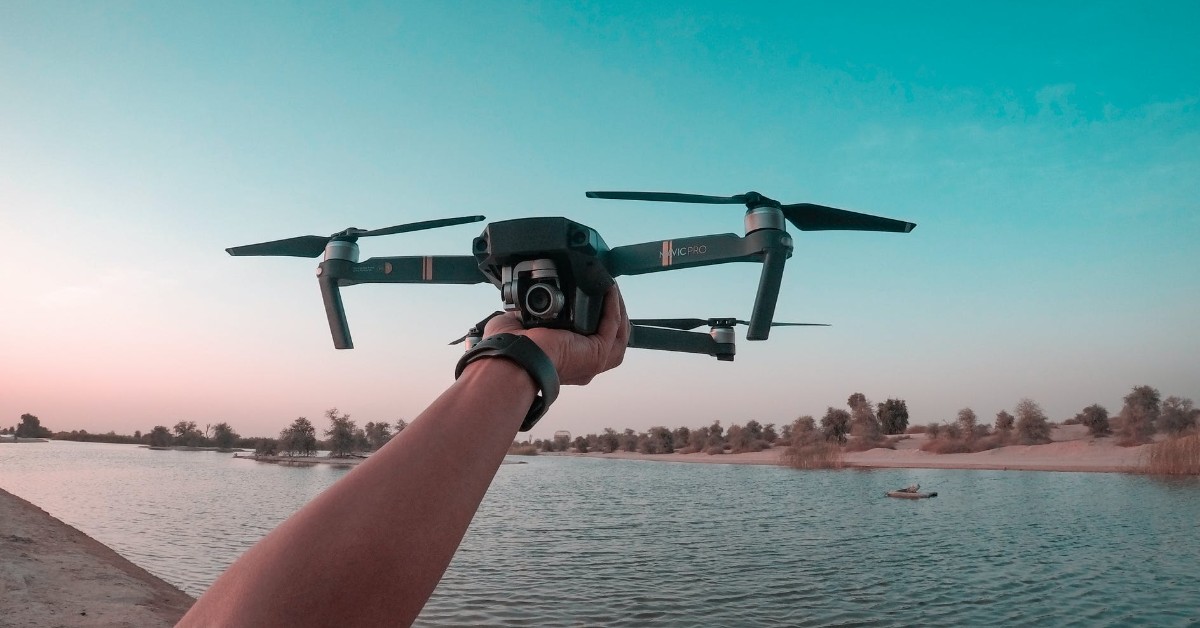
(576, 357)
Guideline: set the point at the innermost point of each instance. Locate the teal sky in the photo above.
(1050, 156)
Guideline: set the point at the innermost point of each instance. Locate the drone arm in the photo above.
(768, 294)
(653, 257)
(642, 337)
(327, 277)
(451, 269)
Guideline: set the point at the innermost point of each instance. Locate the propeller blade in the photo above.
(687, 324)
(459, 341)
(303, 246)
(313, 246)
(418, 226)
(809, 217)
(671, 197)
(741, 322)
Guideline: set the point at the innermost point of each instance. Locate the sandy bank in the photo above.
(1072, 450)
(54, 575)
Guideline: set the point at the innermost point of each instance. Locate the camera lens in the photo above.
(544, 300)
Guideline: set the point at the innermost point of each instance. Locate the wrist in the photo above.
(525, 354)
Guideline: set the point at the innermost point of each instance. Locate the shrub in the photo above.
(1004, 422)
(809, 448)
(835, 424)
(1138, 416)
(1032, 426)
(1095, 417)
(1177, 415)
(266, 447)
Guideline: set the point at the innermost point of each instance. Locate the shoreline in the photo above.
(1072, 450)
(53, 574)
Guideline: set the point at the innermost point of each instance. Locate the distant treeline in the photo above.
(343, 438)
(812, 444)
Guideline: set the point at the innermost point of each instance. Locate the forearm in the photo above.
(371, 548)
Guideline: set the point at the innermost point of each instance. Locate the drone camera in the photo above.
(541, 296)
(548, 270)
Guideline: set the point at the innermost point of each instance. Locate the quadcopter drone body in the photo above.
(554, 272)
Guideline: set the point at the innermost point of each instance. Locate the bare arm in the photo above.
(371, 548)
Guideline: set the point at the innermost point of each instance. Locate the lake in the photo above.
(564, 541)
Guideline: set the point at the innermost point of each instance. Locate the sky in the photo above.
(1050, 156)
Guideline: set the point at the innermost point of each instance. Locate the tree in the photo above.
(1139, 415)
(1033, 428)
(768, 434)
(681, 437)
(716, 436)
(966, 422)
(299, 438)
(802, 430)
(581, 444)
(629, 440)
(187, 435)
(160, 436)
(609, 441)
(835, 424)
(341, 434)
(400, 425)
(893, 416)
(31, 427)
(864, 426)
(1004, 422)
(266, 447)
(1177, 415)
(1095, 417)
(224, 436)
(378, 434)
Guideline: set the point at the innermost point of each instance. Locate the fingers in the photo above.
(505, 323)
(621, 341)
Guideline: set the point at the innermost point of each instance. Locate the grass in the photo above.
(814, 455)
(1176, 456)
(523, 450)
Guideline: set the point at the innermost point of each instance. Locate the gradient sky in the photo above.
(1050, 156)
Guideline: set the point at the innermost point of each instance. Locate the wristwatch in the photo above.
(529, 356)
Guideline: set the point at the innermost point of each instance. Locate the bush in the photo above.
(1032, 426)
(1095, 417)
(266, 447)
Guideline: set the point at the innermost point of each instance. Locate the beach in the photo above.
(1072, 449)
(54, 575)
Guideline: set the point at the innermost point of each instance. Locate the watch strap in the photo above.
(529, 356)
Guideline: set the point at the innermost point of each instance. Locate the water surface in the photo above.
(574, 541)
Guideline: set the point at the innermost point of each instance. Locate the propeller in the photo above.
(692, 323)
(805, 216)
(313, 246)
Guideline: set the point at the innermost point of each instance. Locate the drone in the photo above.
(554, 272)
